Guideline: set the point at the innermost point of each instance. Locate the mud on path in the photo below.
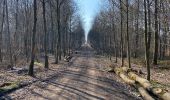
(82, 79)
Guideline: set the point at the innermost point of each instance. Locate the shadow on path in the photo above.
(81, 80)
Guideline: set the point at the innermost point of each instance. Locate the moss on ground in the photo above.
(8, 86)
(158, 84)
(164, 64)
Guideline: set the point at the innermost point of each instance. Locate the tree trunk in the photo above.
(122, 43)
(16, 43)
(31, 67)
(9, 36)
(52, 30)
(144, 93)
(146, 43)
(2, 25)
(156, 34)
(149, 25)
(26, 30)
(127, 35)
(137, 33)
(45, 36)
(59, 31)
(69, 40)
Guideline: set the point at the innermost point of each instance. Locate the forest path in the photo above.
(82, 79)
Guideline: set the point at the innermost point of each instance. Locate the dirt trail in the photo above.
(82, 79)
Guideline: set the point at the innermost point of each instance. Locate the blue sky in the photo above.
(88, 10)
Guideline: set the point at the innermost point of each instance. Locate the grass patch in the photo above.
(138, 61)
(39, 64)
(164, 64)
(158, 84)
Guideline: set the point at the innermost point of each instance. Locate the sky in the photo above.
(88, 9)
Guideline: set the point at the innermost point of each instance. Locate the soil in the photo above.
(82, 78)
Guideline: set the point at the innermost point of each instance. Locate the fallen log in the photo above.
(122, 75)
(9, 87)
(161, 93)
(110, 70)
(6, 87)
(145, 95)
(126, 79)
(143, 82)
(120, 72)
(19, 70)
(67, 58)
(126, 69)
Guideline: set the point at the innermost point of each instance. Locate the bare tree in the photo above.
(122, 42)
(9, 36)
(156, 34)
(45, 36)
(127, 34)
(146, 42)
(2, 27)
(31, 67)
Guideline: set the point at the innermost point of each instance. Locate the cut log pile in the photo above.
(145, 88)
(67, 58)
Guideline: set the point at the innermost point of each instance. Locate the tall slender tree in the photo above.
(137, 31)
(31, 67)
(146, 42)
(45, 34)
(122, 42)
(9, 36)
(127, 34)
(2, 27)
(156, 34)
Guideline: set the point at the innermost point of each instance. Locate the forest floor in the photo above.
(83, 78)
